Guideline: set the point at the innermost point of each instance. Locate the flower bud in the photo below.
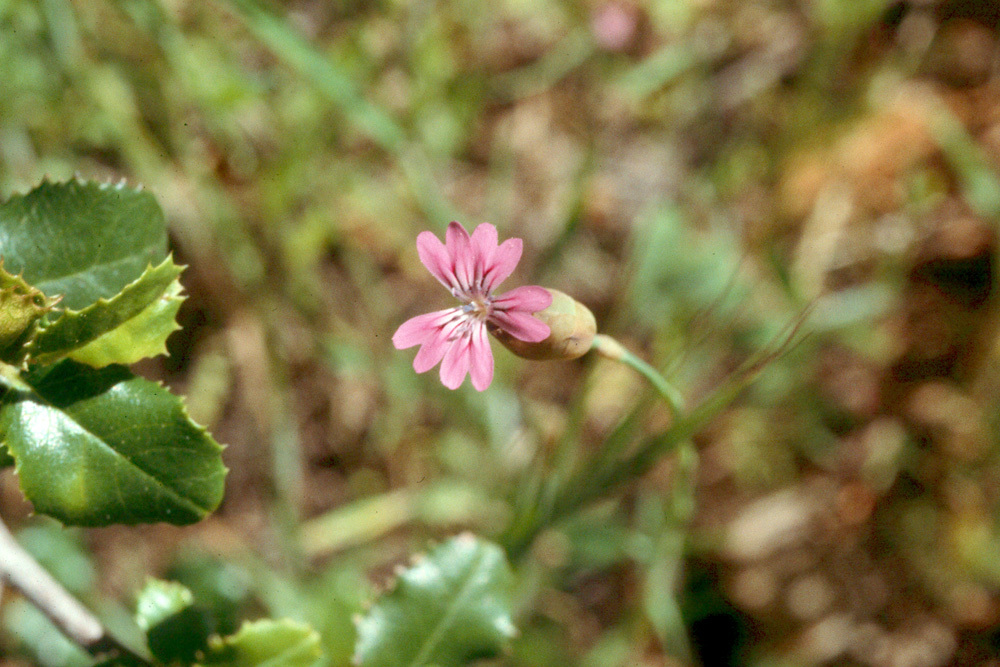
(572, 328)
(21, 307)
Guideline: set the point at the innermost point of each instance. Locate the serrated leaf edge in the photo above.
(489, 552)
(201, 429)
(161, 349)
(102, 302)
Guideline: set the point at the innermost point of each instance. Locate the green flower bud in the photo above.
(21, 307)
(573, 329)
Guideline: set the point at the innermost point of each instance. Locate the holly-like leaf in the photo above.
(81, 240)
(97, 447)
(130, 326)
(176, 630)
(266, 643)
(145, 335)
(450, 607)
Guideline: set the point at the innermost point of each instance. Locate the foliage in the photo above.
(697, 174)
(450, 607)
(92, 443)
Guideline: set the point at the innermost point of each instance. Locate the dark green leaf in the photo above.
(176, 630)
(130, 326)
(81, 240)
(158, 601)
(267, 643)
(96, 447)
(450, 607)
(6, 460)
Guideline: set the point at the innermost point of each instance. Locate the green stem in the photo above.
(608, 347)
(606, 475)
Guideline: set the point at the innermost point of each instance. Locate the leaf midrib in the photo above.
(452, 610)
(170, 491)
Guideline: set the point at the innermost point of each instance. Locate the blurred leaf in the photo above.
(678, 273)
(281, 643)
(81, 240)
(663, 573)
(450, 607)
(159, 600)
(335, 84)
(176, 630)
(96, 447)
(658, 70)
(332, 602)
(224, 588)
(121, 661)
(62, 553)
(130, 326)
(35, 635)
(978, 175)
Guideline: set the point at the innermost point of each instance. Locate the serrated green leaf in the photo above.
(145, 335)
(97, 447)
(81, 240)
(128, 327)
(176, 630)
(450, 607)
(266, 643)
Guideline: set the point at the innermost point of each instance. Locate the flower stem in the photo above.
(610, 348)
(608, 474)
(23, 572)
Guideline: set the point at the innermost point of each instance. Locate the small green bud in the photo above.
(21, 306)
(573, 329)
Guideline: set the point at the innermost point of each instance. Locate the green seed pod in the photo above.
(573, 328)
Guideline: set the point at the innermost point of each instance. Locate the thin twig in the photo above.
(23, 572)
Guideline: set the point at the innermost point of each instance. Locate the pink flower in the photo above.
(471, 267)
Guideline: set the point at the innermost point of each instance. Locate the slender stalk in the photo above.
(609, 474)
(608, 347)
(19, 569)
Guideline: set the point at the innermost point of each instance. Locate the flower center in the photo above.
(479, 307)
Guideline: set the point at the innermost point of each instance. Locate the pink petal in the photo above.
(503, 263)
(435, 256)
(484, 245)
(521, 325)
(417, 330)
(459, 247)
(431, 352)
(481, 370)
(456, 362)
(529, 299)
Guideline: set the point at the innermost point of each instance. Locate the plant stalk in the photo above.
(608, 475)
(607, 346)
(19, 569)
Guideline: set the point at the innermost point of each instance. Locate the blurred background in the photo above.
(697, 172)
